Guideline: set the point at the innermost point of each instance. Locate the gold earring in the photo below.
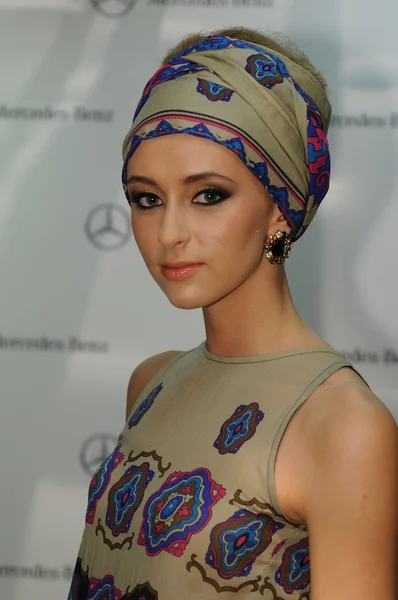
(278, 247)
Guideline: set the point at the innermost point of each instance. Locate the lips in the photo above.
(180, 270)
(178, 265)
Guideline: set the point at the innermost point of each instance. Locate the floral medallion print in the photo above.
(178, 510)
(237, 542)
(144, 406)
(294, 571)
(126, 496)
(213, 91)
(100, 482)
(239, 428)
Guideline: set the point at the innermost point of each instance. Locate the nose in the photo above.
(174, 228)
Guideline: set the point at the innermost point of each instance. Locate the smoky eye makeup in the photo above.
(144, 200)
(213, 195)
(210, 195)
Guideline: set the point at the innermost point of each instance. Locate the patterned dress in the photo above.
(186, 506)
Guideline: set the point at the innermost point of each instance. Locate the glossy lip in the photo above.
(179, 264)
(182, 271)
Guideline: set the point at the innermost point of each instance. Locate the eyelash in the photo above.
(135, 197)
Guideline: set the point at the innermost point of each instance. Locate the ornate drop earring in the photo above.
(278, 247)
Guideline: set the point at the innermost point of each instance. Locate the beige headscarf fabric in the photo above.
(271, 112)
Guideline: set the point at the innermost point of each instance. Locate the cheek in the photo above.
(236, 232)
(143, 234)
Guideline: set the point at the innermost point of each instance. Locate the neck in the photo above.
(258, 317)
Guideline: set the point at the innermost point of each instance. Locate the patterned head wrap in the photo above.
(271, 112)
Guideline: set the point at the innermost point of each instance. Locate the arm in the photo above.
(143, 374)
(350, 499)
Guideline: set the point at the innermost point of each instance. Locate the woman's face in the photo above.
(195, 202)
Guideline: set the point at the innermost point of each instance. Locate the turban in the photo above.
(268, 110)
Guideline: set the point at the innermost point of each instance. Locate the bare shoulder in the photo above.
(343, 397)
(342, 428)
(144, 372)
(348, 489)
(336, 427)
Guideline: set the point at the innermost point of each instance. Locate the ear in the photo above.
(276, 220)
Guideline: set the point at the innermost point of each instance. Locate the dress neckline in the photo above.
(265, 357)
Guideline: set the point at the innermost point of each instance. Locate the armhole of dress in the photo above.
(282, 428)
(149, 385)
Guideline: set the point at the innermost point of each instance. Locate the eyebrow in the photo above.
(186, 180)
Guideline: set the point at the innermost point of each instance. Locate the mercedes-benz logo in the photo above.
(113, 8)
(95, 450)
(108, 226)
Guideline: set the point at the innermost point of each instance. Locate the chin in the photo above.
(190, 295)
(187, 297)
(193, 299)
(186, 302)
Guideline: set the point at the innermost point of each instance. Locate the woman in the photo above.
(262, 447)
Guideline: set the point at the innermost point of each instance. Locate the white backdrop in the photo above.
(78, 310)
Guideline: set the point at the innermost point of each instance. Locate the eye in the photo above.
(144, 201)
(212, 196)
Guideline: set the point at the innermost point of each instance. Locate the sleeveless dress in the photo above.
(185, 506)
